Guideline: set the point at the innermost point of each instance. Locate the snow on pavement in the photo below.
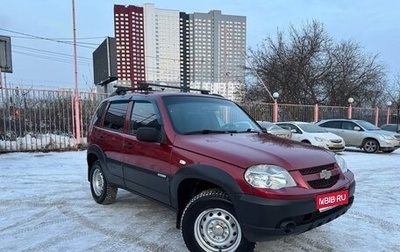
(46, 205)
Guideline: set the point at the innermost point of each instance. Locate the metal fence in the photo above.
(32, 120)
(43, 120)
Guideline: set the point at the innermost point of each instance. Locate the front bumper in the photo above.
(270, 219)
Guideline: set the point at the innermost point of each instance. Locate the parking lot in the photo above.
(46, 205)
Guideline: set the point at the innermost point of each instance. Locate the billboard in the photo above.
(5, 54)
(105, 62)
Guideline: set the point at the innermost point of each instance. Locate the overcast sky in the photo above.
(42, 59)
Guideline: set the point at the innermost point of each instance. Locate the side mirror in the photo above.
(148, 134)
(356, 128)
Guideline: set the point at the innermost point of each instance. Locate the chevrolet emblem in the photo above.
(325, 174)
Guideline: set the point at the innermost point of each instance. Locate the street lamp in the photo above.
(275, 95)
(388, 104)
(350, 101)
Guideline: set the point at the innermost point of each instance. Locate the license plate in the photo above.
(329, 200)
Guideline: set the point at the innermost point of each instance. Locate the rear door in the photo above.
(146, 165)
(111, 137)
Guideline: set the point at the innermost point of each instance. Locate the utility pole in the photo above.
(76, 94)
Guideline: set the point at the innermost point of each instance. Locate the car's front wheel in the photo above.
(209, 224)
(102, 191)
(371, 146)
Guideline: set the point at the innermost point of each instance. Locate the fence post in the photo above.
(376, 116)
(316, 112)
(77, 119)
(388, 115)
(275, 112)
(349, 112)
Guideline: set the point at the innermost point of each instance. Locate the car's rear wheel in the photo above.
(102, 191)
(371, 146)
(209, 224)
(388, 151)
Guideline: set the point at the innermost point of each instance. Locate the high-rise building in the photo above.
(217, 49)
(199, 50)
(129, 36)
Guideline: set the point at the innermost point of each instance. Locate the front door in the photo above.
(146, 165)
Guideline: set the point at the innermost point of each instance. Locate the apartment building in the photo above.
(198, 50)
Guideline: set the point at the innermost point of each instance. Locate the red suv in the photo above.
(231, 183)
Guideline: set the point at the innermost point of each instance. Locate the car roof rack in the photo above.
(146, 87)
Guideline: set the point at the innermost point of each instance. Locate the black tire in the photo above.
(370, 146)
(102, 191)
(209, 224)
(387, 151)
(306, 141)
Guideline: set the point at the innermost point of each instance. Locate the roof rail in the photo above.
(146, 87)
(182, 89)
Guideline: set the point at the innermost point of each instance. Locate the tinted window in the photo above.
(332, 124)
(96, 120)
(349, 125)
(115, 116)
(143, 115)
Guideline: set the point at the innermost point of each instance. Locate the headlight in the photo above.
(342, 163)
(388, 137)
(268, 176)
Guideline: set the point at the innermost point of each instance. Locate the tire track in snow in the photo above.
(114, 235)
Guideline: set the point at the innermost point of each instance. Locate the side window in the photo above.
(115, 116)
(143, 115)
(332, 124)
(348, 125)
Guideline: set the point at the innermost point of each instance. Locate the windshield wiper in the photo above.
(251, 130)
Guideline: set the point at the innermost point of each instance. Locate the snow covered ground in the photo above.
(46, 205)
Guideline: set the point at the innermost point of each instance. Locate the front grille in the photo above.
(320, 182)
(336, 140)
(323, 183)
(316, 169)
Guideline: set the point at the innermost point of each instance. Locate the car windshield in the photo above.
(367, 125)
(311, 128)
(207, 115)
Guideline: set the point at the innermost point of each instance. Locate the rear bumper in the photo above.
(269, 219)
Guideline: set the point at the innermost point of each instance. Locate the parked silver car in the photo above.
(275, 129)
(391, 127)
(362, 134)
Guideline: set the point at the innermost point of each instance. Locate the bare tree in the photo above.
(308, 67)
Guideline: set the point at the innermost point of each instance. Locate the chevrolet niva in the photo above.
(230, 182)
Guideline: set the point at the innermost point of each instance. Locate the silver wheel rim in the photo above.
(98, 182)
(370, 146)
(217, 230)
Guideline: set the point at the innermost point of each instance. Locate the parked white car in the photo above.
(315, 135)
(275, 129)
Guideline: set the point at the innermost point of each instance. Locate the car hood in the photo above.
(328, 135)
(247, 149)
